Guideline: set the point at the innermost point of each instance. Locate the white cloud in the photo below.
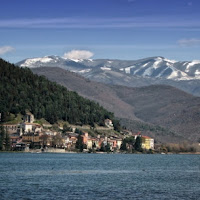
(189, 42)
(5, 49)
(78, 54)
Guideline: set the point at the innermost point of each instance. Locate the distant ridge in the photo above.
(184, 75)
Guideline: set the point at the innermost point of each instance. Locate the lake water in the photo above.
(99, 176)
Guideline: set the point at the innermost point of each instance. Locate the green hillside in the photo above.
(22, 90)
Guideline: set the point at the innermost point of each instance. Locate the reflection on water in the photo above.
(99, 176)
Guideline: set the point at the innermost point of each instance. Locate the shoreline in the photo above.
(62, 151)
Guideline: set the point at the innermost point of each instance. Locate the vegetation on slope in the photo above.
(22, 90)
(164, 112)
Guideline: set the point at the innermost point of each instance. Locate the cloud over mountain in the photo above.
(78, 54)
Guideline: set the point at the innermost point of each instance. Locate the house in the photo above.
(12, 128)
(113, 143)
(70, 141)
(108, 123)
(119, 143)
(101, 141)
(31, 127)
(89, 143)
(85, 138)
(95, 143)
(21, 146)
(50, 133)
(29, 117)
(46, 140)
(27, 127)
(15, 139)
(147, 143)
(31, 139)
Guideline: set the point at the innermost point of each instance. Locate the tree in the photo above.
(123, 145)
(102, 147)
(116, 125)
(107, 147)
(79, 143)
(138, 143)
(20, 89)
(7, 141)
(94, 145)
(77, 131)
(57, 141)
(44, 139)
(2, 138)
(127, 142)
(66, 128)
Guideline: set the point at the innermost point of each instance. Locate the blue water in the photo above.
(99, 176)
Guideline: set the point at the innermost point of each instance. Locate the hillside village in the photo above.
(28, 135)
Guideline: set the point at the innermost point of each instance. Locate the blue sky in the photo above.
(118, 29)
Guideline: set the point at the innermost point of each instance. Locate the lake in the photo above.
(99, 176)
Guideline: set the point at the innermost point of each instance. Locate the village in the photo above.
(31, 136)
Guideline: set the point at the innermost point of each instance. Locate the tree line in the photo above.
(131, 144)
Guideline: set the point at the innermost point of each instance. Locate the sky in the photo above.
(113, 29)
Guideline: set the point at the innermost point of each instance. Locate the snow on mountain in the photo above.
(191, 64)
(128, 69)
(105, 68)
(78, 60)
(197, 72)
(38, 62)
(75, 60)
(157, 67)
(84, 71)
(145, 64)
(31, 62)
(169, 61)
(154, 67)
(157, 62)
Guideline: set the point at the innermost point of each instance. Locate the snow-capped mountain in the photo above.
(154, 67)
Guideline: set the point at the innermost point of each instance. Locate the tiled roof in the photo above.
(146, 137)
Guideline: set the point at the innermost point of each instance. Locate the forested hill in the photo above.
(22, 90)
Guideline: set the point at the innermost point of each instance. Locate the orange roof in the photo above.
(146, 137)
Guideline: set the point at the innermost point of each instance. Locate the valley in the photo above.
(175, 112)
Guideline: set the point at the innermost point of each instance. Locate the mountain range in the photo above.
(139, 92)
(184, 75)
(163, 112)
